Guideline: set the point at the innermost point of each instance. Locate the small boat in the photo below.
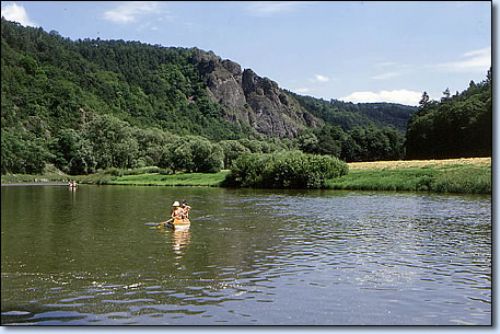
(177, 224)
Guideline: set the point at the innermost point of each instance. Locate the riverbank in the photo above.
(25, 179)
(157, 179)
(471, 175)
(148, 176)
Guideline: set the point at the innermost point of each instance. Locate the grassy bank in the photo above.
(150, 176)
(24, 178)
(51, 175)
(471, 176)
(157, 179)
(443, 176)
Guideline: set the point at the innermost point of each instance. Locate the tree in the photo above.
(446, 95)
(195, 154)
(308, 142)
(112, 141)
(232, 149)
(424, 100)
(83, 160)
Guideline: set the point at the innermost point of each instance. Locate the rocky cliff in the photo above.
(250, 99)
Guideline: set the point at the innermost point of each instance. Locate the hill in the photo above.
(348, 115)
(119, 103)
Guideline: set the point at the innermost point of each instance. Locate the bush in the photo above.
(193, 154)
(114, 171)
(286, 169)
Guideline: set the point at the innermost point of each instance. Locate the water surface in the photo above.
(93, 257)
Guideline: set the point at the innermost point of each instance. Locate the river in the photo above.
(93, 256)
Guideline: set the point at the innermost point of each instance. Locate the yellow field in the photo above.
(417, 163)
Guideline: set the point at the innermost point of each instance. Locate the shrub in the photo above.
(114, 171)
(286, 169)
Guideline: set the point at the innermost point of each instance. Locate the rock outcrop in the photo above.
(252, 100)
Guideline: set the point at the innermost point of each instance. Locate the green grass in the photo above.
(469, 176)
(41, 178)
(156, 179)
(452, 178)
(152, 176)
(51, 174)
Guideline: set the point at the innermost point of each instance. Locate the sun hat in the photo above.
(176, 203)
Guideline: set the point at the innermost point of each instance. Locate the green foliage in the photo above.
(193, 154)
(22, 153)
(286, 169)
(374, 144)
(232, 150)
(458, 126)
(368, 143)
(74, 154)
(348, 115)
(112, 141)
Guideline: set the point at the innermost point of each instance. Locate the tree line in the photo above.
(456, 126)
(106, 141)
(348, 115)
(368, 143)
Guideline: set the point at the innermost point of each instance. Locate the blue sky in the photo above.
(353, 51)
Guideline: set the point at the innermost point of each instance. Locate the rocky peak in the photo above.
(231, 66)
(251, 99)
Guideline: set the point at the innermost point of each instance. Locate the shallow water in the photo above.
(94, 257)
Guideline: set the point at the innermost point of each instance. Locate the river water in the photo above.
(251, 257)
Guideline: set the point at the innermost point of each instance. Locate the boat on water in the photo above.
(177, 224)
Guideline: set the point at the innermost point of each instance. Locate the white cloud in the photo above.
(386, 75)
(386, 64)
(267, 8)
(302, 90)
(476, 60)
(17, 13)
(321, 78)
(401, 96)
(129, 12)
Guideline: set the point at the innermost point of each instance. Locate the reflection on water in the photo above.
(319, 257)
(180, 240)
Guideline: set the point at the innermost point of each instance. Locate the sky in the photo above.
(380, 51)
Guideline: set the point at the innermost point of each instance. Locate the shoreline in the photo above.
(33, 184)
(460, 176)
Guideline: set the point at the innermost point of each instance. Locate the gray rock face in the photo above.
(250, 99)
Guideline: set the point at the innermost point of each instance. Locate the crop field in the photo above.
(467, 175)
(418, 163)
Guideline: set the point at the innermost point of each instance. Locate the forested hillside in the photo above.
(348, 115)
(92, 104)
(457, 126)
